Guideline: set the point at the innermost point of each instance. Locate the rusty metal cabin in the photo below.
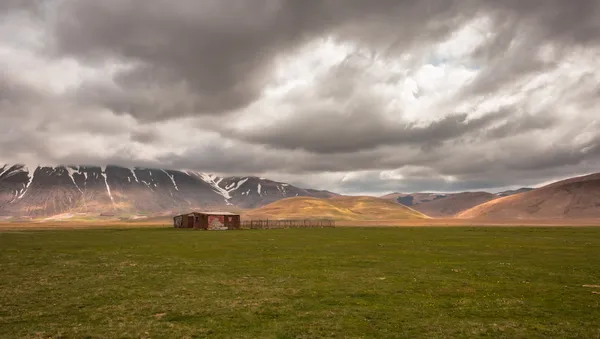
(208, 221)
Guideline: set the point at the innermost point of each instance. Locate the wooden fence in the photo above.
(301, 223)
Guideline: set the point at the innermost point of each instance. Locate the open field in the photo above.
(301, 283)
(436, 222)
(454, 222)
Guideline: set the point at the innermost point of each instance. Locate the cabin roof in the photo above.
(209, 213)
(217, 213)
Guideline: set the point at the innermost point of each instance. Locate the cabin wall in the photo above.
(178, 221)
(232, 222)
(197, 220)
(203, 222)
(207, 221)
(215, 222)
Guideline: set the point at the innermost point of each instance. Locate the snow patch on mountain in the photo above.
(72, 171)
(103, 173)
(132, 169)
(30, 169)
(281, 189)
(238, 184)
(235, 185)
(8, 171)
(4, 170)
(172, 177)
(213, 181)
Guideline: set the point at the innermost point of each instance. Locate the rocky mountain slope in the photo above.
(27, 190)
(573, 198)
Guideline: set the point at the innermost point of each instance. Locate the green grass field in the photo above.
(301, 283)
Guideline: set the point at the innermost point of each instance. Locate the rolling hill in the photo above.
(572, 198)
(338, 208)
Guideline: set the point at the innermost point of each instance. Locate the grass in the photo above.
(301, 283)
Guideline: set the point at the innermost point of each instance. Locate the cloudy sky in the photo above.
(348, 95)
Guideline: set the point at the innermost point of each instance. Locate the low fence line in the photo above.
(300, 223)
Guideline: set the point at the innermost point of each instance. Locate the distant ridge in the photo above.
(452, 204)
(447, 204)
(513, 192)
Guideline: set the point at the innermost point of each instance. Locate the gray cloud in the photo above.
(145, 136)
(15, 92)
(216, 57)
(523, 30)
(172, 81)
(357, 130)
(358, 121)
(7, 6)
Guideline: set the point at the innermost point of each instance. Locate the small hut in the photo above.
(208, 221)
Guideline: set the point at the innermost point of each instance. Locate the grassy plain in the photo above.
(428, 282)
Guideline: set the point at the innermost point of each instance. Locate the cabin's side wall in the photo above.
(197, 220)
(178, 221)
(203, 222)
(190, 220)
(232, 222)
(215, 222)
(207, 221)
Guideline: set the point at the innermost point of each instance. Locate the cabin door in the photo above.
(191, 221)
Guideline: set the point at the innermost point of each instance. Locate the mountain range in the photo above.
(41, 191)
(448, 204)
(27, 190)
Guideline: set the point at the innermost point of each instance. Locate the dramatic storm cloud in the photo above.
(348, 95)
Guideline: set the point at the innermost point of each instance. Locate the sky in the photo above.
(353, 96)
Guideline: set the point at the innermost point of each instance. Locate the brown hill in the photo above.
(572, 198)
(453, 203)
(338, 208)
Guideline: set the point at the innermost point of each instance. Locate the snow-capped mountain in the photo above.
(252, 192)
(40, 190)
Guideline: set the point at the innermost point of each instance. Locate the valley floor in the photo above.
(413, 282)
(436, 222)
(440, 222)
